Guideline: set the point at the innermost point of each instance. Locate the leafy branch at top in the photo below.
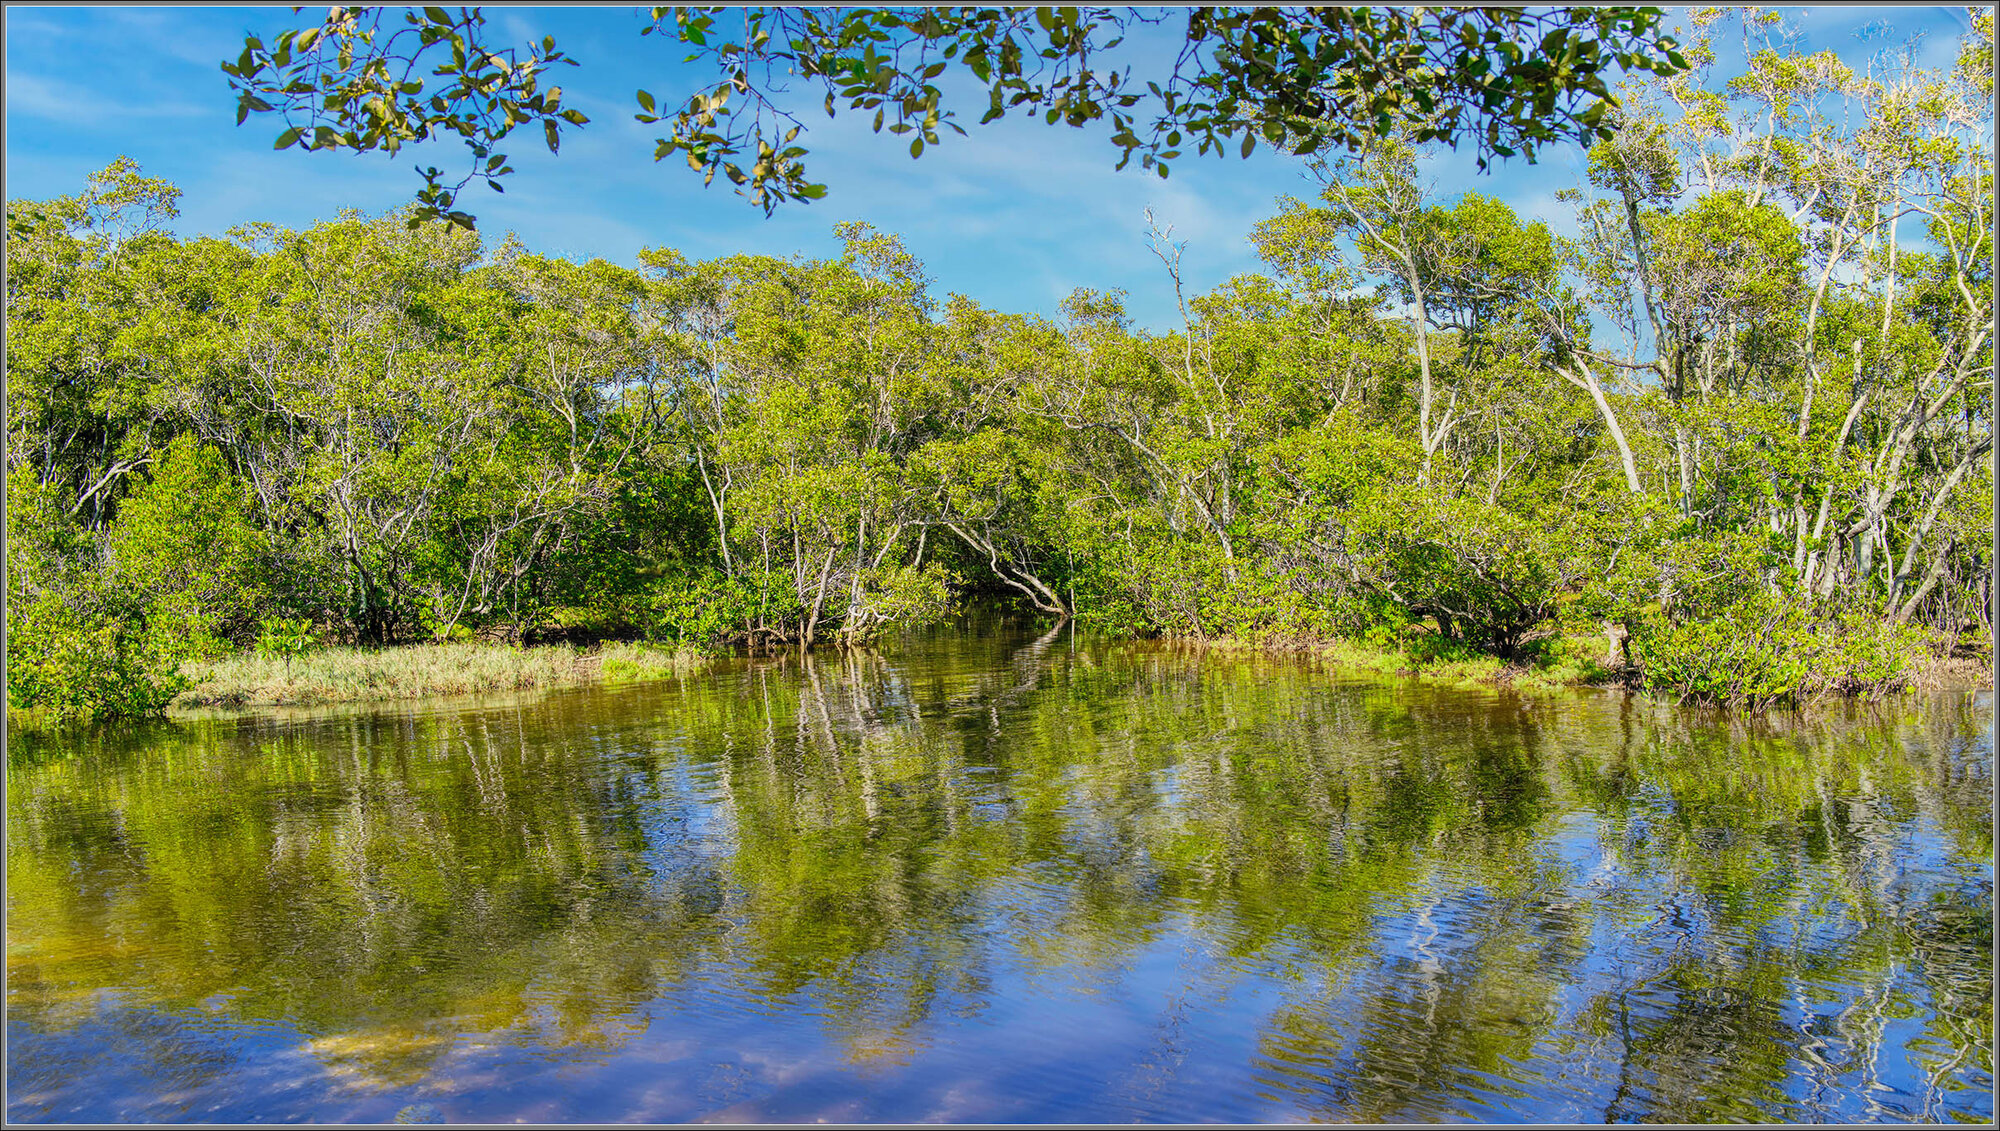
(349, 84)
(1305, 79)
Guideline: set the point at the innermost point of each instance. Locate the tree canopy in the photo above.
(1306, 79)
(1743, 415)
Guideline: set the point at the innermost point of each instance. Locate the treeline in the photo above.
(1743, 418)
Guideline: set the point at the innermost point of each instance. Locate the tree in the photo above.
(1302, 78)
(1409, 431)
(1799, 365)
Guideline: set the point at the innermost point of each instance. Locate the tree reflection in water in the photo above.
(1010, 878)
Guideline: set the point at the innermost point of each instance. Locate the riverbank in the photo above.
(1581, 661)
(1564, 663)
(415, 671)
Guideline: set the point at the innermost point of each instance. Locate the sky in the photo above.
(1015, 216)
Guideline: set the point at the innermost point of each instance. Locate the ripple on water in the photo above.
(977, 881)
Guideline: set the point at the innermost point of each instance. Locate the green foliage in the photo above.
(287, 639)
(1738, 416)
(1751, 652)
(185, 545)
(1764, 649)
(900, 596)
(80, 643)
(89, 654)
(1508, 80)
(1486, 576)
(280, 637)
(349, 85)
(707, 609)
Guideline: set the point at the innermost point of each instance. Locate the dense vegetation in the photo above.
(1743, 419)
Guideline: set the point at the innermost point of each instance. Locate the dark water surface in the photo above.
(995, 878)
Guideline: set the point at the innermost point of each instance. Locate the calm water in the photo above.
(996, 878)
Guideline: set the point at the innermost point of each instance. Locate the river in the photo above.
(1000, 877)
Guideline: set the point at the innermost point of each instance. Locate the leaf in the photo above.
(287, 139)
(646, 100)
(549, 130)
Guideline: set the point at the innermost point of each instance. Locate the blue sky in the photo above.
(1016, 215)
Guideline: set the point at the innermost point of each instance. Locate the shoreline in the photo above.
(1570, 670)
(348, 674)
(1572, 667)
(401, 673)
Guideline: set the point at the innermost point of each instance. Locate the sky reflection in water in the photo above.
(991, 877)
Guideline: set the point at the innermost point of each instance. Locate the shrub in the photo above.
(89, 654)
(1491, 579)
(79, 643)
(1763, 649)
(277, 636)
(706, 609)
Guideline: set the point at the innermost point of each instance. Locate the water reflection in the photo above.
(1009, 878)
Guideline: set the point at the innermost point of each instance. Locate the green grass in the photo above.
(1573, 661)
(620, 663)
(411, 671)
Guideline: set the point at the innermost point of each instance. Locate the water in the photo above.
(991, 877)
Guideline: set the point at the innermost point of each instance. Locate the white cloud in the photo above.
(77, 107)
(1015, 215)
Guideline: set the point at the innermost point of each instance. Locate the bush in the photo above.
(1861, 652)
(1764, 649)
(1491, 579)
(899, 597)
(89, 654)
(79, 643)
(708, 609)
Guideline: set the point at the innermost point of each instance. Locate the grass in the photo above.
(1962, 661)
(340, 675)
(1571, 661)
(1559, 662)
(1579, 661)
(620, 663)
